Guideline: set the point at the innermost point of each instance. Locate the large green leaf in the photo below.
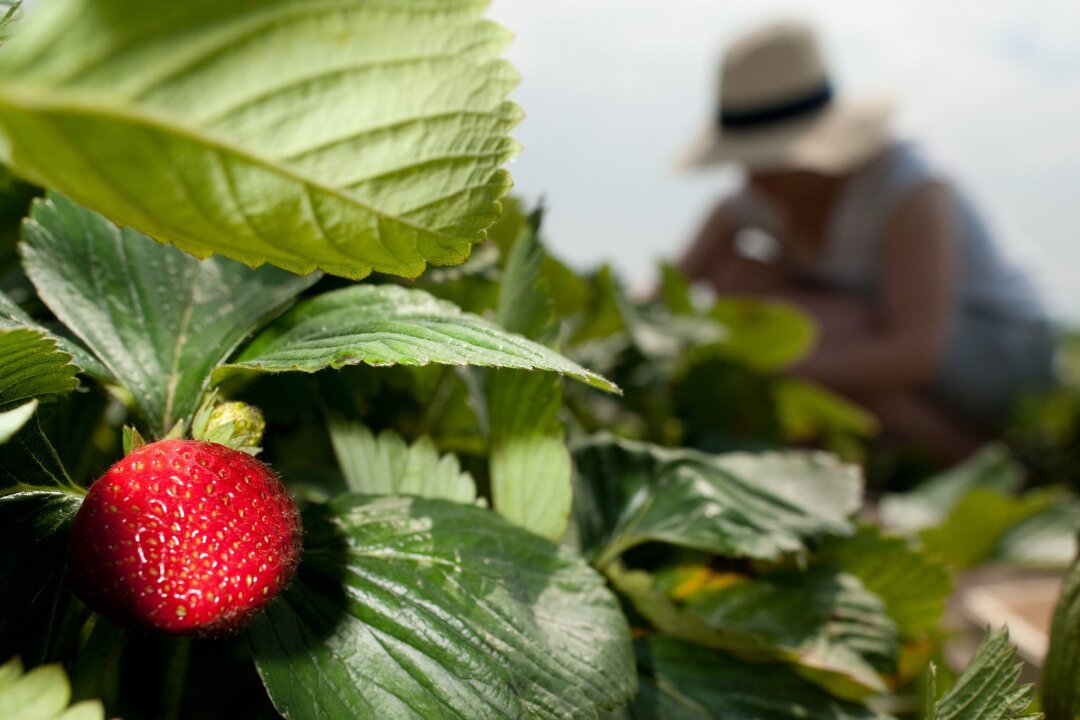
(385, 465)
(738, 505)
(913, 586)
(41, 694)
(684, 681)
(31, 366)
(530, 462)
(826, 624)
(987, 689)
(34, 545)
(390, 325)
(343, 135)
(159, 319)
(417, 608)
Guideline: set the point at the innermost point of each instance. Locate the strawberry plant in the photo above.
(486, 486)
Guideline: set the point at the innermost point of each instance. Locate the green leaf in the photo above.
(826, 624)
(84, 359)
(160, 320)
(28, 461)
(987, 689)
(1061, 669)
(913, 587)
(13, 420)
(34, 546)
(766, 336)
(7, 17)
(684, 681)
(738, 505)
(531, 469)
(570, 292)
(530, 462)
(31, 366)
(390, 325)
(525, 304)
(807, 411)
(1045, 540)
(41, 694)
(416, 608)
(604, 315)
(929, 504)
(675, 290)
(339, 135)
(385, 465)
(972, 531)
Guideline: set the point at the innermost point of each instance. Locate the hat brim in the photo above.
(833, 141)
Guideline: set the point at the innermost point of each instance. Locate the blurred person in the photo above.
(920, 318)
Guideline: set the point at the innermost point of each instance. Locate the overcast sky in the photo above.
(613, 90)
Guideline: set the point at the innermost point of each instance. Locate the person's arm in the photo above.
(712, 257)
(920, 278)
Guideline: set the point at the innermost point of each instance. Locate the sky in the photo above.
(614, 90)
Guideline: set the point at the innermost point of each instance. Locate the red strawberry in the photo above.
(186, 537)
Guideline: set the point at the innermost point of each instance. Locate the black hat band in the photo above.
(769, 114)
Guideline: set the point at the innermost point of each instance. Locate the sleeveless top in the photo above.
(850, 258)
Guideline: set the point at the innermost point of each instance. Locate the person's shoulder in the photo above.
(901, 168)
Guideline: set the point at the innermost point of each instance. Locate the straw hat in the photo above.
(777, 109)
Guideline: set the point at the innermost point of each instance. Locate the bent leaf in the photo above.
(390, 325)
(736, 505)
(83, 358)
(408, 607)
(31, 366)
(385, 465)
(336, 135)
(158, 319)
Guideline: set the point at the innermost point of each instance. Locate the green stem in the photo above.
(96, 673)
(176, 677)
